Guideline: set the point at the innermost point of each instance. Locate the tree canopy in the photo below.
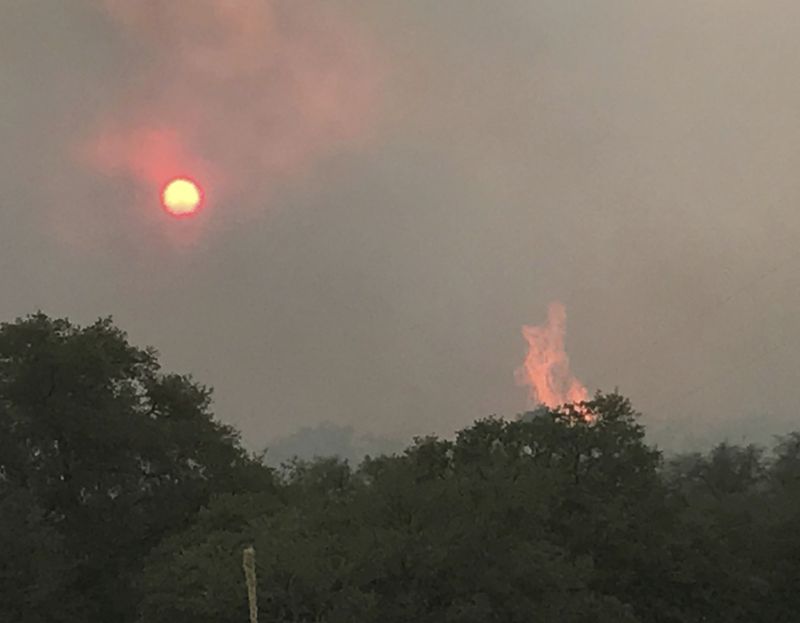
(103, 454)
(123, 499)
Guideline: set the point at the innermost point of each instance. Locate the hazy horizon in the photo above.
(395, 188)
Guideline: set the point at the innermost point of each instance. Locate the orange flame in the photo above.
(546, 367)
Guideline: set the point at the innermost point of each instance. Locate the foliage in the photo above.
(121, 498)
(111, 453)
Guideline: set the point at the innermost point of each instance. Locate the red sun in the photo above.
(181, 196)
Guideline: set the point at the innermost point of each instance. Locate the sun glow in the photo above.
(181, 197)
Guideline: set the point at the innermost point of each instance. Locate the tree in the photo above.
(777, 552)
(464, 531)
(35, 568)
(719, 533)
(113, 452)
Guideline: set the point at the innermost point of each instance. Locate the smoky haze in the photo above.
(396, 187)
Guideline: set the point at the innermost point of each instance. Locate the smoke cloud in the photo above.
(242, 96)
(393, 186)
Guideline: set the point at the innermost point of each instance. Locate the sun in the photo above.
(181, 196)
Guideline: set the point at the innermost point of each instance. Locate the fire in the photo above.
(546, 367)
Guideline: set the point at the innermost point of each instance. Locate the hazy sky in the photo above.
(394, 187)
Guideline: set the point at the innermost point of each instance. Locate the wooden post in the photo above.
(249, 564)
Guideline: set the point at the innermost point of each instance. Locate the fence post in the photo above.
(249, 564)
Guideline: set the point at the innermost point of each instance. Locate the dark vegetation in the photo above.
(122, 499)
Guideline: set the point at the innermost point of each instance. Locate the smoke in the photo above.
(327, 440)
(546, 367)
(242, 95)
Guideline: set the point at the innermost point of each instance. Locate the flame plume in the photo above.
(546, 367)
